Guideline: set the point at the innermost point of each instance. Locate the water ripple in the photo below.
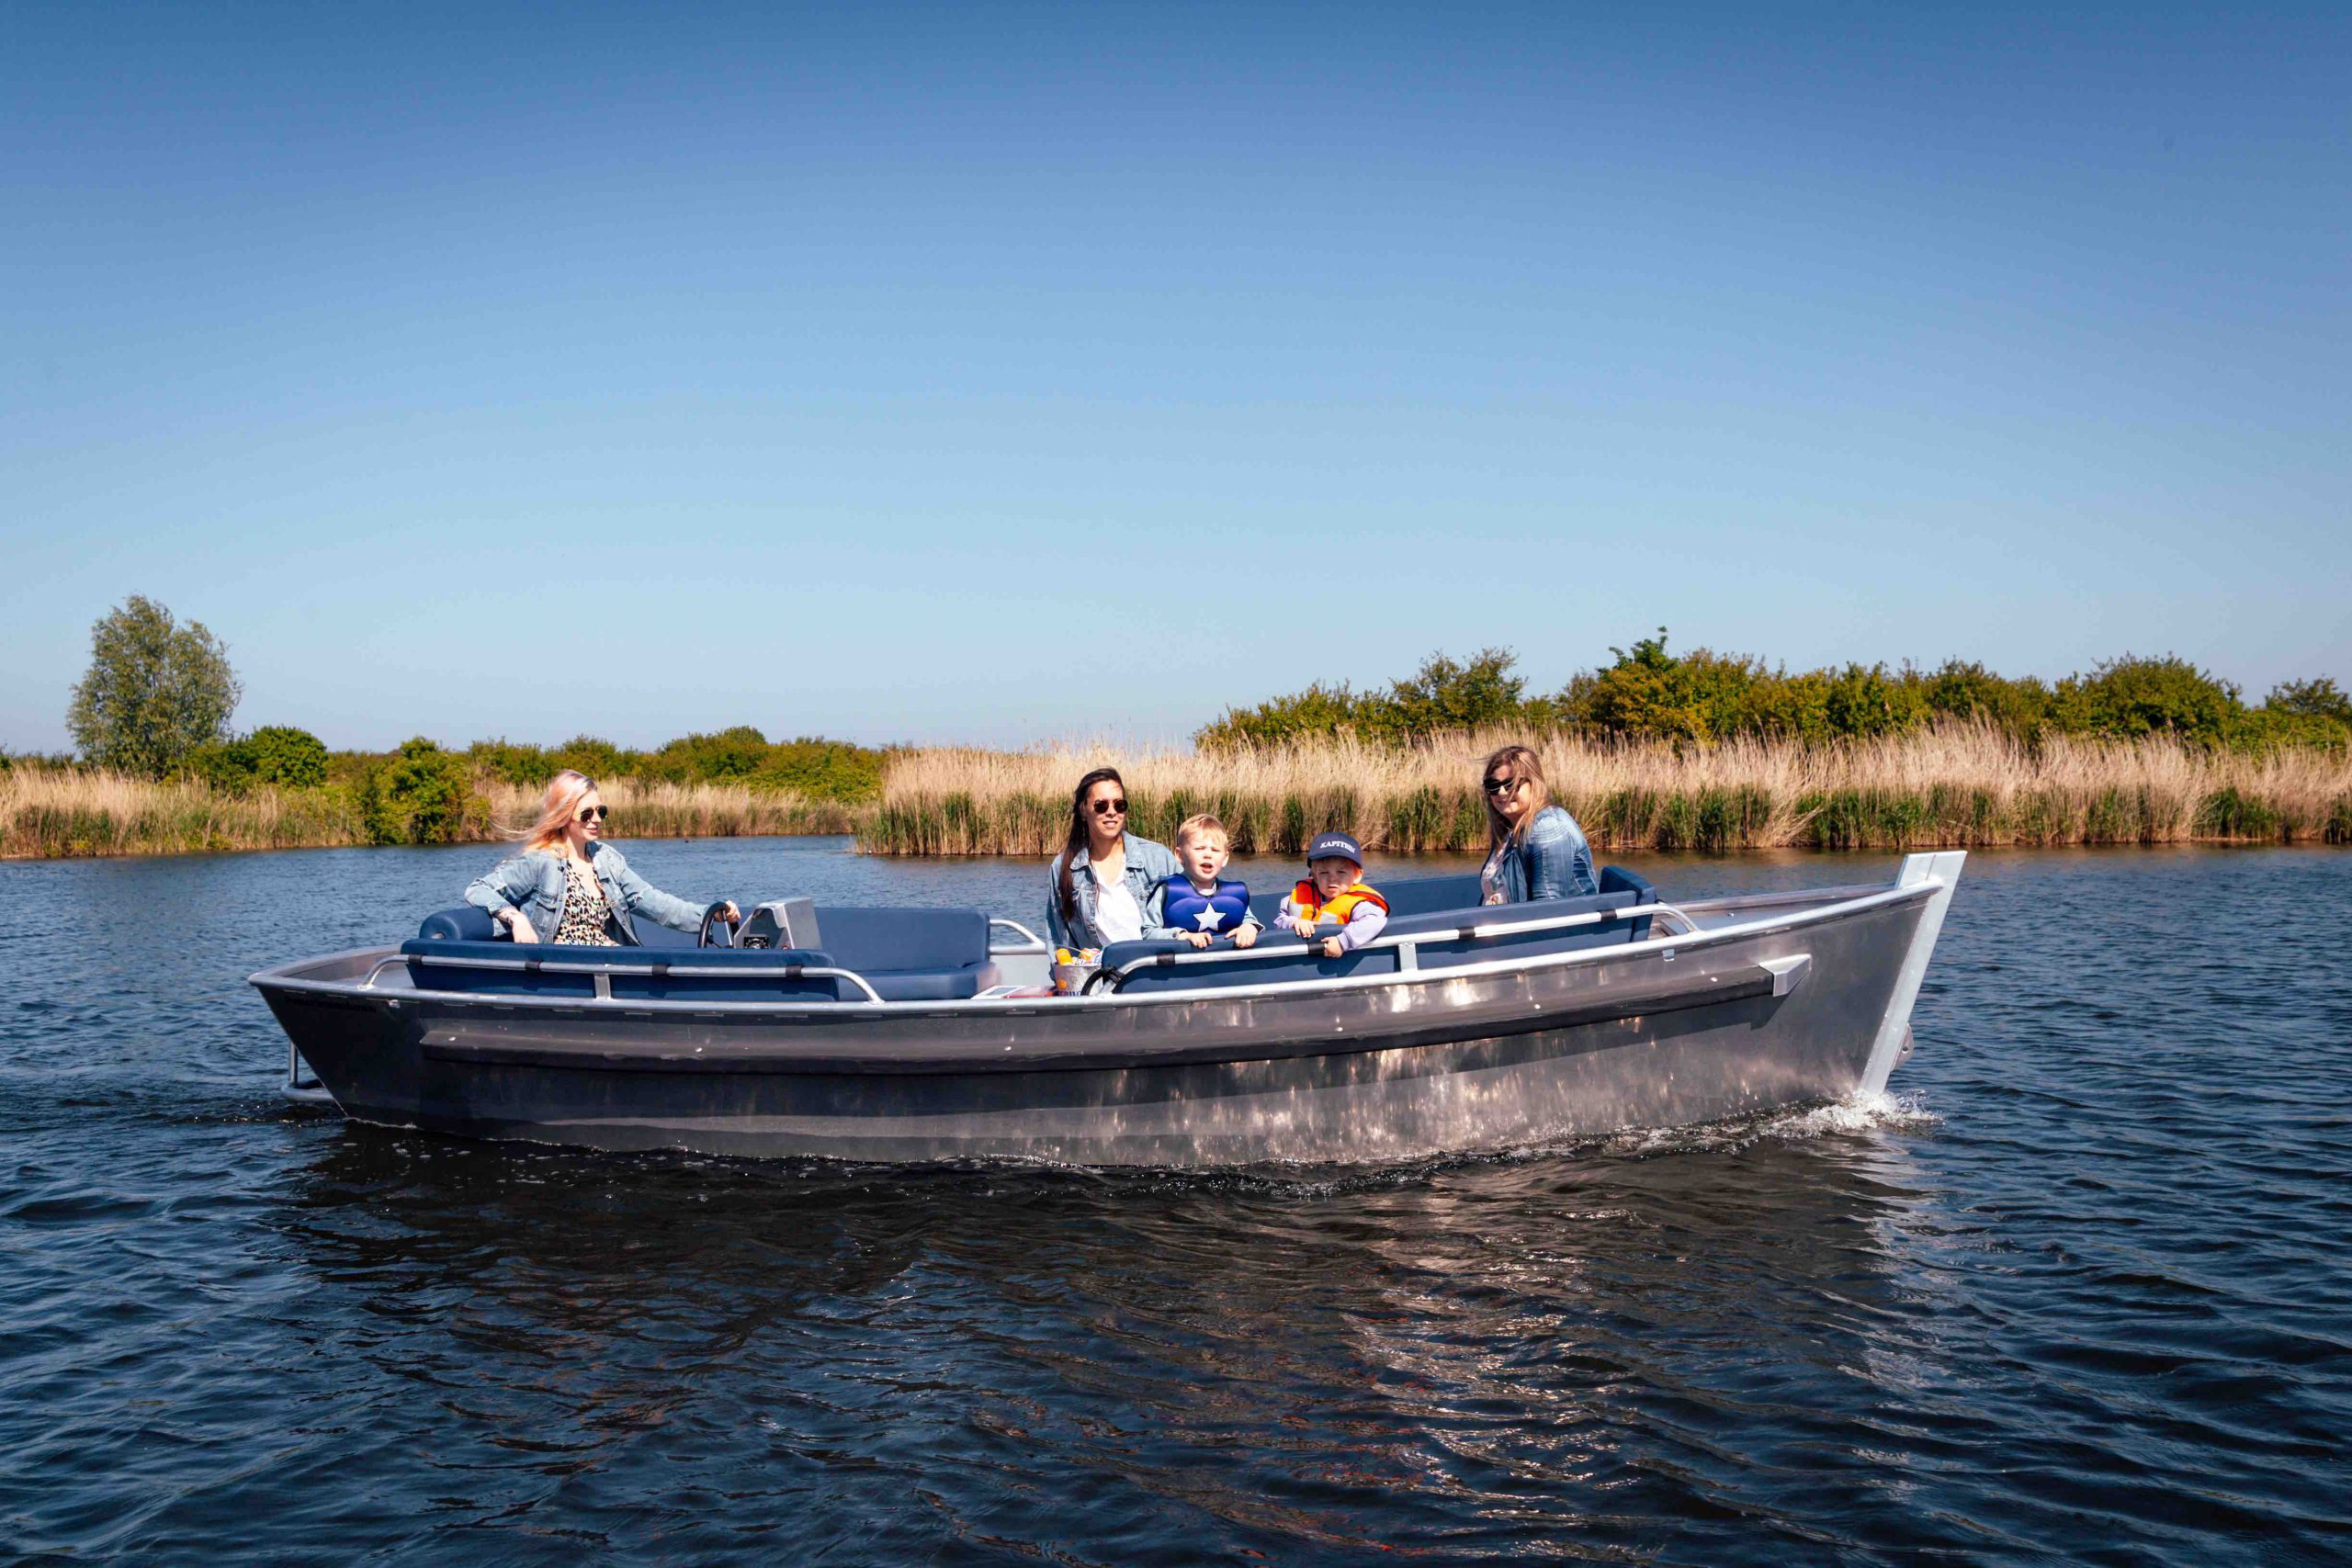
(2079, 1292)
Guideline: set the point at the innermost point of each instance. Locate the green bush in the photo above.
(1967, 689)
(287, 757)
(596, 757)
(730, 756)
(2321, 698)
(421, 796)
(1649, 693)
(822, 770)
(275, 754)
(2131, 696)
(2266, 728)
(1440, 697)
(225, 765)
(1312, 713)
(528, 767)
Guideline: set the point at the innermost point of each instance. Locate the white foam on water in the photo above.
(1859, 1112)
(1856, 1113)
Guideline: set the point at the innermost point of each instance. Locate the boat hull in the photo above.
(1656, 1034)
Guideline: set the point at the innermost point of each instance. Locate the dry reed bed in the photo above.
(1959, 786)
(685, 811)
(51, 813)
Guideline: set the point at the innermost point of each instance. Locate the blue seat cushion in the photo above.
(919, 985)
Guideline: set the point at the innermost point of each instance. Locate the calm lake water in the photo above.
(2084, 1293)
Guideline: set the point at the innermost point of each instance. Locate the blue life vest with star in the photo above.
(1186, 908)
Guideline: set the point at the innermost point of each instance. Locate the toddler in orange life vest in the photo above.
(1333, 891)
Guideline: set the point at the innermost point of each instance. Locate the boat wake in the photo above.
(1861, 1112)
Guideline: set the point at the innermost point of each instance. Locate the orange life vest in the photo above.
(1344, 903)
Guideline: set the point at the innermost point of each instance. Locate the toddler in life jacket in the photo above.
(1334, 891)
(1197, 905)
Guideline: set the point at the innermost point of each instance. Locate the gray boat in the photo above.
(920, 1035)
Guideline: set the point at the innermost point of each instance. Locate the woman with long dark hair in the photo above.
(1097, 886)
(1534, 848)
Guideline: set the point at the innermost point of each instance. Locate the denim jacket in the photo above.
(1550, 860)
(533, 882)
(1148, 865)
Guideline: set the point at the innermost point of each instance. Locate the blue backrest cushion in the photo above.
(464, 924)
(1617, 879)
(1406, 895)
(430, 948)
(1550, 908)
(652, 933)
(864, 938)
(1276, 957)
(1426, 894)
(1442, 945)
(519, 971)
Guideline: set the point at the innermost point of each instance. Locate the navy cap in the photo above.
(1334, 842)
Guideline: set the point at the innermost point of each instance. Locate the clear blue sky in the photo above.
(994, 372)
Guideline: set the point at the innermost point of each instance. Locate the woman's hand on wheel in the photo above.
(734, 916)
(518, 926)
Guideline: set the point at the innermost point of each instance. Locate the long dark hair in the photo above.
(1076, 844)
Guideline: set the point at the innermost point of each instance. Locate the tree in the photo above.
(157, 691)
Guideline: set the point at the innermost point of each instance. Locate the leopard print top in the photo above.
(587, 917)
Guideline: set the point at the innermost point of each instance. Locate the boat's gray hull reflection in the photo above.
(1513, 1344)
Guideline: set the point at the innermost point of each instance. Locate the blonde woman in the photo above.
(1536, 849)
(570, 885)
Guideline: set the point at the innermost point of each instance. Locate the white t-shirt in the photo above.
(1116, 914)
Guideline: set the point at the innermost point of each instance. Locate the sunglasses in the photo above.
(1109, 807)
(595, 811)
(1503, 787)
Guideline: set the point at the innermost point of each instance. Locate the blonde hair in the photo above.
(1195, 827)
(1523, 765)
(565, 792)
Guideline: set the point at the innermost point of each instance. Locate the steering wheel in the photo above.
(714, 920)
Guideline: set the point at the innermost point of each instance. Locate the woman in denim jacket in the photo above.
(1097, 886)
(1538, 851)
(569, 885)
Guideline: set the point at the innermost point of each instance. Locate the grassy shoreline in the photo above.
(1956, 786)
(48, 814)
